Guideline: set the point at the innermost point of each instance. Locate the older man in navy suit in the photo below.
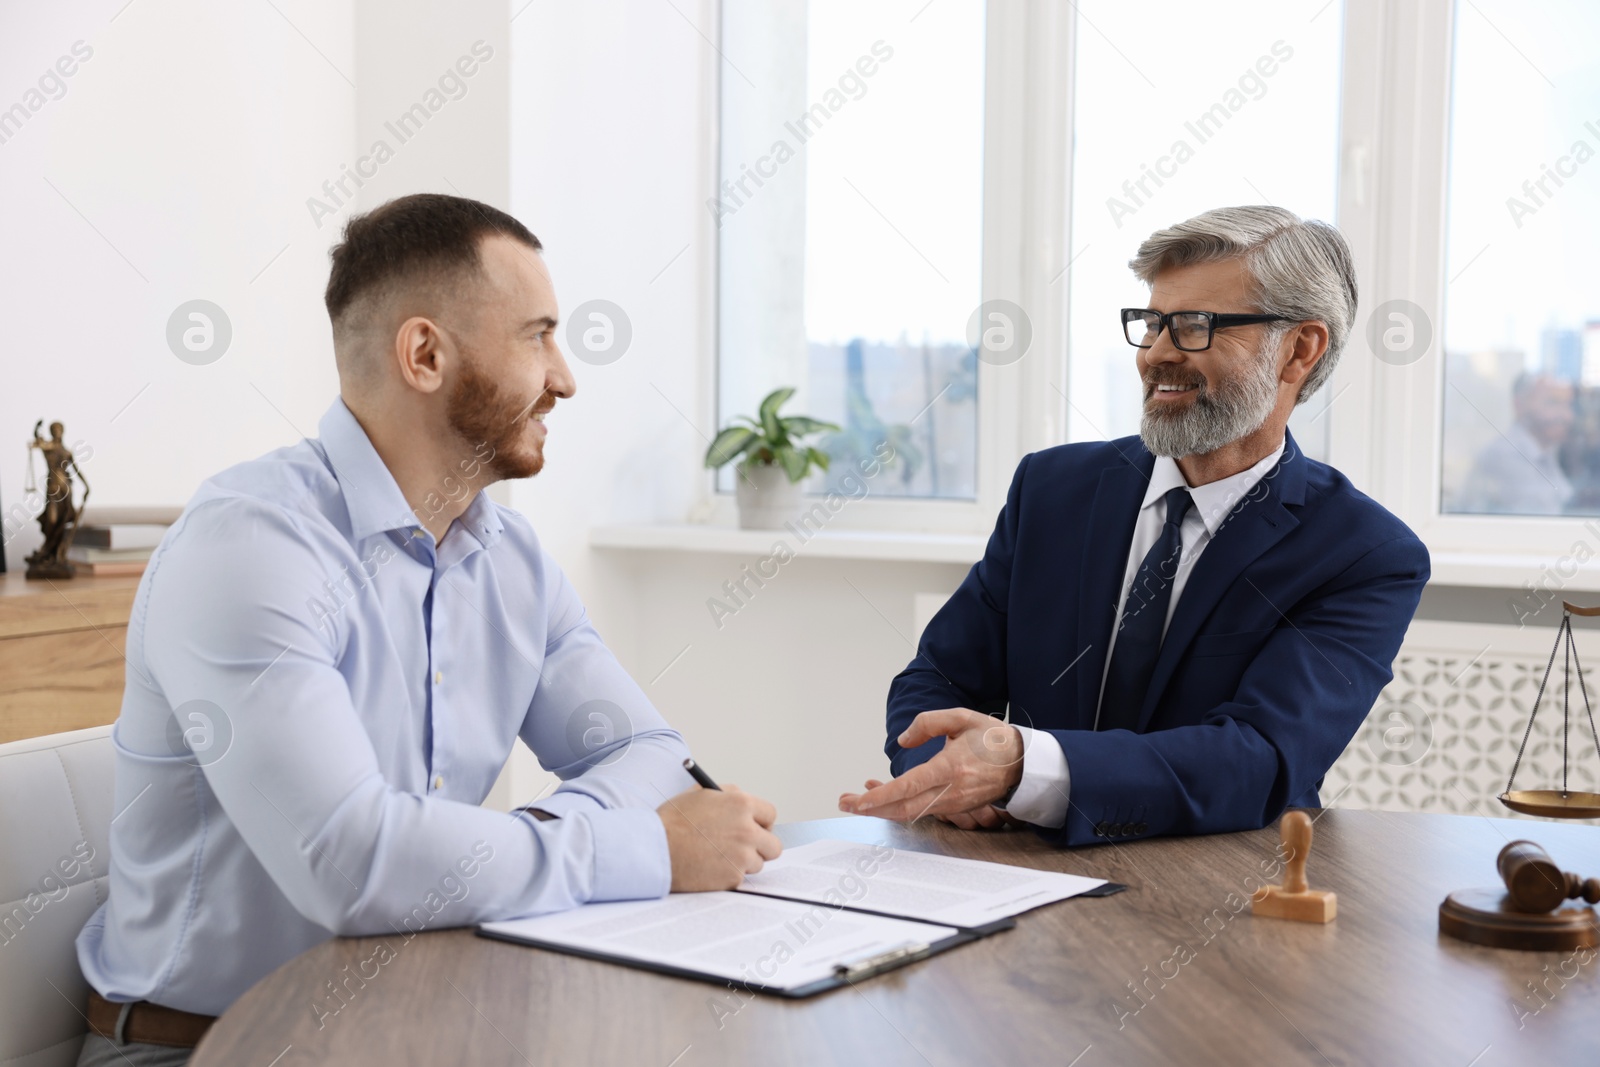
(1181, 630)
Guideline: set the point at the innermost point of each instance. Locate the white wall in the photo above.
(180, 163)
(174, 167)
(415, 51)
(787, 697)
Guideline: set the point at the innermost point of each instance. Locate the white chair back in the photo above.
(55, 817)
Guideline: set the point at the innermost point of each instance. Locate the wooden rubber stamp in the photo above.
(1294, 899)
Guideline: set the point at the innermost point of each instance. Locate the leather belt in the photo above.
(146, 1023)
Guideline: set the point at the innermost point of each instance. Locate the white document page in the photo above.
(916, 885)
(748, 939)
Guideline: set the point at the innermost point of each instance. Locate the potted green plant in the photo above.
(773, 459)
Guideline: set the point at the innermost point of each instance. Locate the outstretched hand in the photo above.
(980, 763)
(987, 817)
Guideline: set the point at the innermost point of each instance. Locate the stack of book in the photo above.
(119, 541)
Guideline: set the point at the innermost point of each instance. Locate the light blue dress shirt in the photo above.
(319, 698)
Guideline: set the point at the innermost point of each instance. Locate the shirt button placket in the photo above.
(438, 681)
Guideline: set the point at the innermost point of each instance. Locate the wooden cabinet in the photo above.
(61, 645)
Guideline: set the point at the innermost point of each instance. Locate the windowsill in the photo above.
(1480, 570)
(826, 544)
(1511, 570)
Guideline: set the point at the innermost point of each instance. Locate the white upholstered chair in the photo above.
(55, 815)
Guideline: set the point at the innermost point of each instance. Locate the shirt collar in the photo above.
(371, 495)
(1214, 500)
(482, 520)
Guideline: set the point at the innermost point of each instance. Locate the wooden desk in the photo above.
(61, 645)
(1377, 986)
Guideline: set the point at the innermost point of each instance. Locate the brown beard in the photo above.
(482, 413)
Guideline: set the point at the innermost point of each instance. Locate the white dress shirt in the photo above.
(1042, 795)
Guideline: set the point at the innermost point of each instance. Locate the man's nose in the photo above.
(559, 381)
(1162, 350)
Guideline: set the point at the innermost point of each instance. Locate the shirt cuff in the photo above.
(1041, 797)
(565, 802)
(631, 860)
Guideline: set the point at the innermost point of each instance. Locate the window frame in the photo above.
(1392, 199)
(1393, 205)
(1026, 198)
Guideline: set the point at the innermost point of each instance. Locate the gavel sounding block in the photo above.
(1294, 899)
(1530, 913)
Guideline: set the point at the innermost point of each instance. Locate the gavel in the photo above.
(1534, 882)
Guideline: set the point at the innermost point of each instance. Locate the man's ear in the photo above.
(1308, 343)
(420, 353)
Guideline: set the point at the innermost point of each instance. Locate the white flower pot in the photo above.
(767, 498)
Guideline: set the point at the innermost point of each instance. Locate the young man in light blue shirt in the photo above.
(335, 647)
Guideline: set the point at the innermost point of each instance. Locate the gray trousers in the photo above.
(103, 1052)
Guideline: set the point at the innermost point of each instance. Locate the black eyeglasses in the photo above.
(1191, 331)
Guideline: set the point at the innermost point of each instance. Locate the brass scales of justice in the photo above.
(1531, 911)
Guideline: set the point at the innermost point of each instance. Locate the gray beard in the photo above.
(1237, 407)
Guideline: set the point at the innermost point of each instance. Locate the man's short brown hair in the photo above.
(425, 237)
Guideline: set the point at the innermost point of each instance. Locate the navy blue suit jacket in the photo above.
(1282, 639)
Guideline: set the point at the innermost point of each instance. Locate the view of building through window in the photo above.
(1522, 307)
(850, 228)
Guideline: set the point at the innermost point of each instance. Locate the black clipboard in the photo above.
(844, 974)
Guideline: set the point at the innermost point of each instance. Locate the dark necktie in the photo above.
(1144, 616)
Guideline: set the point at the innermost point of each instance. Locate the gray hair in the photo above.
(1299, 268)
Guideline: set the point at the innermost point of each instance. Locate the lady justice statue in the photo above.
(59, 519)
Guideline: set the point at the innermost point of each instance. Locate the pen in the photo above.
(867, 966)
(699, 775)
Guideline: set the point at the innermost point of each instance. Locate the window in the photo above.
(1456, 144)
(1207, 112)
(1521, 330)
(850, 228)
